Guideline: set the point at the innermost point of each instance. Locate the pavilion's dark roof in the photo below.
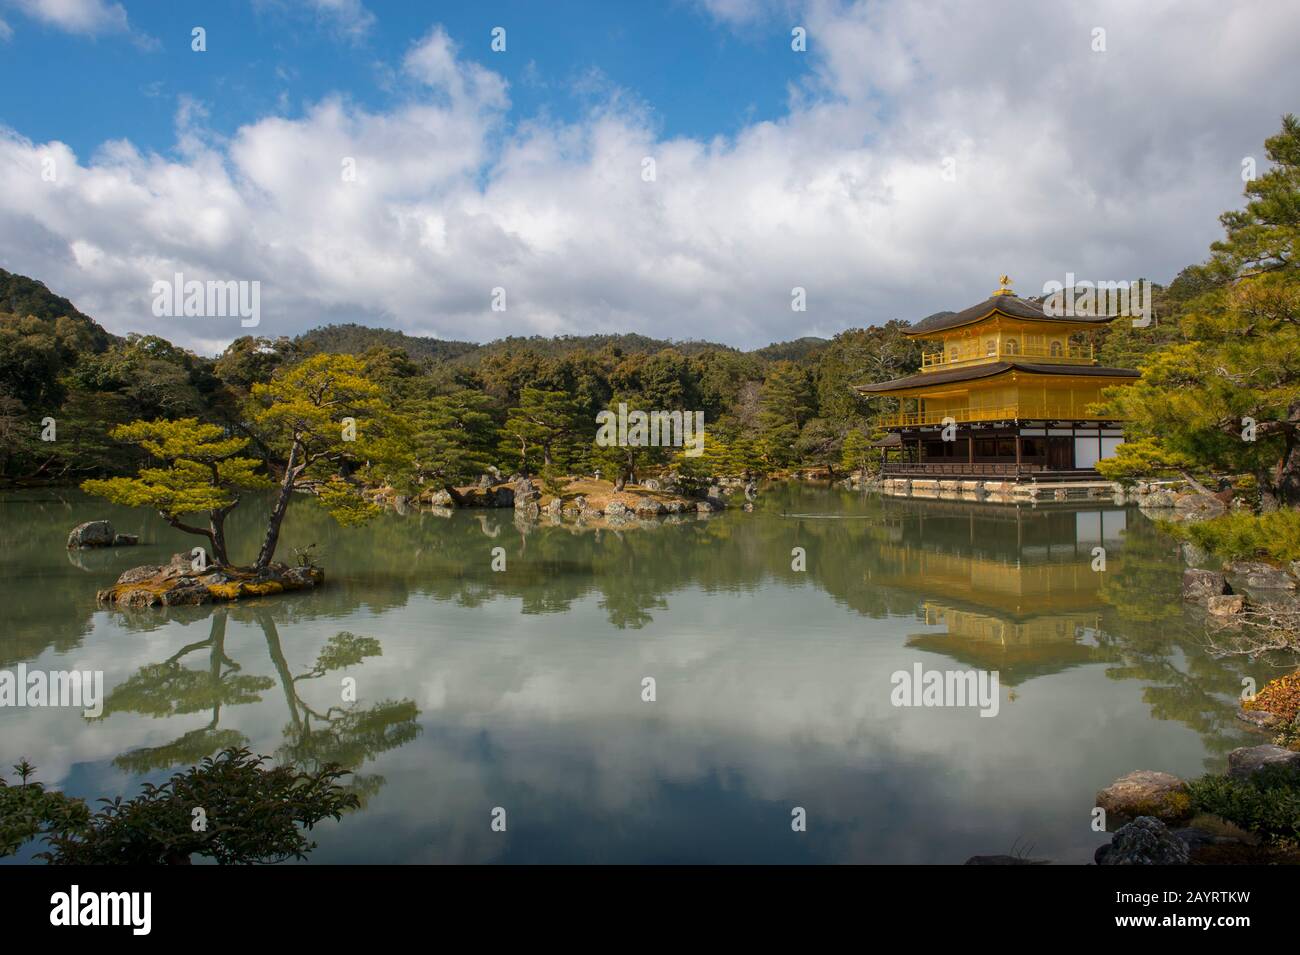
(975, 372)
(1011, 305)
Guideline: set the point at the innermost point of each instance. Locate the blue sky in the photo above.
(909, 156)
(697, 77)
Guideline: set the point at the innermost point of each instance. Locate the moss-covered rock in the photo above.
(1146, 793)
(178, 583)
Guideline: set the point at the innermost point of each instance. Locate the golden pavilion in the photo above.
(1003, 394)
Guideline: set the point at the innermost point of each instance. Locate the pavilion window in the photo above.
(1013, 347)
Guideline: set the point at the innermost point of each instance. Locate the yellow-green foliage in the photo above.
(1142, 457)
(304, 410)
(345, 504)
(202, 469)
(1240, 535)
(310, 400)
(719, 458)
(857, 451)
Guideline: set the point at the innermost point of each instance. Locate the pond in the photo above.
(453, 690)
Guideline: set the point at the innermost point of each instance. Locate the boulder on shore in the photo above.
(1246, 761)
(1147, 793)
(1226, 605)
(1144, 841)
(178, 582)
(1260, 719)
(1257, 575)
(1195, 506)
(98, 534)
(1201, 585)
(1156, 499)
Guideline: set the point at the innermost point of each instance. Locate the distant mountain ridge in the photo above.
(796, 350)
(23, 296)
(354, 339)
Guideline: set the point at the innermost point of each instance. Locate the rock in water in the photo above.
(1146, 793)
(1144, 841)
(179, 582)
(92, 534)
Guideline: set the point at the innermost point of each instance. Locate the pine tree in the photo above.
(787, 404)
(1227, 398)
(545, 423)
(320, 419)
(202, 472)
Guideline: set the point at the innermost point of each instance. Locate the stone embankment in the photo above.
(590, 502)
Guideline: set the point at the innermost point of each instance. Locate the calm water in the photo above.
(522, 689)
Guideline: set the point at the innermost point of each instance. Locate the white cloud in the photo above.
(350, 16)
(1110, 165)
(433, 61)
(6, 31)
(78, 16)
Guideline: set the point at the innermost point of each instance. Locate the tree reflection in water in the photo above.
(345, 734)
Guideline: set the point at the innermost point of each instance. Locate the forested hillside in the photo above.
(787, 403)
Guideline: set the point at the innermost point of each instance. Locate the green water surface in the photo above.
(523, 688)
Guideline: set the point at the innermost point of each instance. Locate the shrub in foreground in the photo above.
(229, 808)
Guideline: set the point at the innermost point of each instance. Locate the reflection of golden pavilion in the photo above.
(1017, 597)
(1017, 649)
(1004, 632)
(1001, 587)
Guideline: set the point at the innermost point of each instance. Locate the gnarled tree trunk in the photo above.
(291, 471)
